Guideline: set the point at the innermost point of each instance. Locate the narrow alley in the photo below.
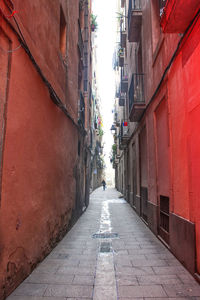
(99, 94)
(109, 254)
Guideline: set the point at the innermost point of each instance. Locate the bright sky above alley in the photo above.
(106, 42)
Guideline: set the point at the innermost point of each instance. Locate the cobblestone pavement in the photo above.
(130, 264)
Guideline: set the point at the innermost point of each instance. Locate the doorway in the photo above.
(163, 169)
(143, 175)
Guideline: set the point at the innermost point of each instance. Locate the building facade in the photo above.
(45, 98)
(158, 56)
(97, 161)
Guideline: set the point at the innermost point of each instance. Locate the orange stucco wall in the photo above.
(39, 143)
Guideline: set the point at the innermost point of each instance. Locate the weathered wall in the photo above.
(185, 124)
(172, 124)
(40, 149)
(178, 148)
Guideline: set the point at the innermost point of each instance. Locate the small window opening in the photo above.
(164, 218)
(79, 148)
(63, 33)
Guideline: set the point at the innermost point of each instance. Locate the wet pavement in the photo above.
(109, 254)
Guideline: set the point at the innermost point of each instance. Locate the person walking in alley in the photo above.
(104, 184)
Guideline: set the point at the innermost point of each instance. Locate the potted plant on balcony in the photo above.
(94, 24)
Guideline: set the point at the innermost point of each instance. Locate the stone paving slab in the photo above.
(44, 298)
(35, 298)
(142, 291)
(50, 278)
(182, 290)
(148, 263)
(137, 266)
(196, 298)
(104, 293)
(158, 279)
(127, 280)
(157, 298)
(83, 280)
(88, 271)
(69, 291)
(169, 270)
(29, 289)
(134, 270)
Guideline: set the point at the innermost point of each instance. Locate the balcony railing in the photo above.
(82, 111)
(134, 20)
(123, 38)
(121, 57)
(117, 92)
(124, 72)
(136, 91)
(123, 136)
(122, 101)
(116, 120)
(124, 79)
(135, 5)
(162, 6)
(80, 40)
(136, 97)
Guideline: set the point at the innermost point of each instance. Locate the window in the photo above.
(63, 33)
(79, 148)
(155, 19)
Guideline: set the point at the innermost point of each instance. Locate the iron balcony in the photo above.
(122, 100)
(121, 57)
(162, 4)
(123, 39)
(136, 97)
(124, 79)
(123, 136)
(134, 20)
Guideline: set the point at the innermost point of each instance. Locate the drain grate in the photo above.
(62, 256)
(105, 235)
(105, 247)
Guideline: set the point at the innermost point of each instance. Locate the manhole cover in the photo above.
(105, 247)
(105, 235)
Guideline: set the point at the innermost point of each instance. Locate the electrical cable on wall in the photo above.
(10, 51)
(53, 95)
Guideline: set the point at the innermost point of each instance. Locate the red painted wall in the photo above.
(181, 89)
(172, 120)
(184, 96)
